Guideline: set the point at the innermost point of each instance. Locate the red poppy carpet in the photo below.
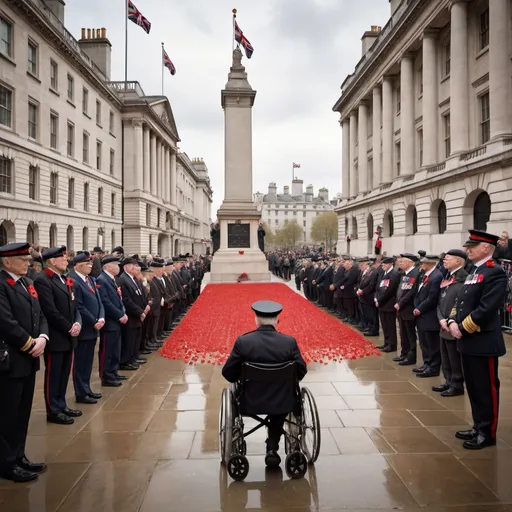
(223, 312)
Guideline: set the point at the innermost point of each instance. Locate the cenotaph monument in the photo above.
(238, 215)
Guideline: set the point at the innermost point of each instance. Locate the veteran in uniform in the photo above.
(476, 326)
(23, 337)
(385, 300)
(266, 345)
(366, 294)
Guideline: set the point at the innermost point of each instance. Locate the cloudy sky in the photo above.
(304, 49)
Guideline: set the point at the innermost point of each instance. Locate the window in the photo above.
(484, 30)
(32, 58)
(32, 121)
(112, 160)
(71, 88)
(397, 153)
(54, 185)
(85, 101)
(71, 139)
(98, 155)
(5, 37)
(158, 217)
(100, 200)
(111, 122)
(5, 175)
(441, 217)
(112, 205)
(54, 130)
(5, 106)
(54, 75)
(446, 134)
(485, 118)
(304, 223)
(420, 81)
(85, 146)
(86, 197)
(420, 147)
(33, 179)
(447, 55)
(481, 211)
(398, 100)
(148, 215)
(98, 112)
(71, 193)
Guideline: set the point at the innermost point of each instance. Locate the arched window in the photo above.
(85, 239)
(53, 235)
(346, 227)
(70, 238)
(3, 235)
(100, 238)
(481, 211)
(113, 238)
(411, 220)
(389, 227)
(354, 229)
(369, 226)
(32, 233)
(441, 217)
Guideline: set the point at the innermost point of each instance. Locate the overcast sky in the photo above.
(303, 50)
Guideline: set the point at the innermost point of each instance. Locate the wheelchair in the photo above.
(301, 428)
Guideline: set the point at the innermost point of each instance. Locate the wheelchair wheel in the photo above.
(292, 429)
(238, 467)
(296, 465)
(226, 425)
(310, 427)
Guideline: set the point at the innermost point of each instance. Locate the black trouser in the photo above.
(130, 345)
(451, 363)
(168, 318)
(56, 377)
(275, 429)
(431, 349)
(109, 354)
(350, 306)
(82, 367)
(321, 295)
(16, 404)
(341, 307)
(155, 321)
(407, 338)
(370, 316)
(161, 322)
(483, 386)
(297, 281)
(388, 322)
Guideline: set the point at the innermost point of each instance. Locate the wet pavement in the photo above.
(387, 443)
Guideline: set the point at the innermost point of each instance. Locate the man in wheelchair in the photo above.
(266, 346)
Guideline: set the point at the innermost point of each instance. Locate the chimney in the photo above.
(323, 193)
(309, 194)
(97, 47)
(57, 8)
(297, 187)
(369, 38)
(286, 190)
(272, 190)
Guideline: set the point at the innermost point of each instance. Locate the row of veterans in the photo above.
(450, 304)
(130, 307)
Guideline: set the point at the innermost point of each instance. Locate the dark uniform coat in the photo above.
(386, 291)
(426, 301)
(368, 285)
(406, 293)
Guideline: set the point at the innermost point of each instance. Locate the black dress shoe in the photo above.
(398, 359)
(478, 442)
(441, 388)
(96, 396)
(466, 435)
(128, 367)
(111, 383)
(34, 467)
(406, 362)
(371, 334)
(60, 419)
(388, 349)
(452, 392)
(380, 347)
(141, 361)
(120, 377)
(427, 374)
(72, 413)
(145, 352)
(420, 369)
(272, 459)
(19, 475)
(86, 400)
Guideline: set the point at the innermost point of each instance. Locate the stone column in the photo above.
(345, 170)
(353, 149)
(167, 173)
(500, 89)
(387, 130)
(362, 167)
(173, 181)
(147, 160)
(153, 164)
(139, 154)
(158, 168)
(459, 77)
(407, 163)
(376, 142)
(430, 108)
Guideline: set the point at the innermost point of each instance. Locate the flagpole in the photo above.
(125, 44)
(162, 64)
(234, 17)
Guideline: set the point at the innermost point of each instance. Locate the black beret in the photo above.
(83, 257)
(97, 249)
(409, 256)
(422, 253)
(144, 267)
(363, 260)
(388, 260)
(110, 259)
(118, 249)
(267, 308)
(130, 261)
(54, 252)
(15, 249)
(430, 258)
(169, 262)
(157, 264)
(457, 252)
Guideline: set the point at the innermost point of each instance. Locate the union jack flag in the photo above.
(241, 39)
(168, 63)
(135, 15)
(296, 166)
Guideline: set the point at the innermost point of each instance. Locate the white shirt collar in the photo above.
(453, 271)
(109, 275)
(430, 271)
(14, 276)
(84, 278)
(407, 271)
(481, 262)
(388, 271)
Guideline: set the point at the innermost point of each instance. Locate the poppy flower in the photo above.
(241, 252)
(69, 282)
(97, 287)
(32, 291)
(425, 281)
(490, 264)
(11, 281)
(119, 291)
(480, 278)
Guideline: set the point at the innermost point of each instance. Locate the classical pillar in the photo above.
(387, 130)
(429, 98)
(500, 89)
(459, 77)
(362, 157)
(147, 161)
(345, 169)
(376, 141)
(166, 175)
(153, 164)
(173, 177)
(407, 163)
(139, 154)
(353, 153)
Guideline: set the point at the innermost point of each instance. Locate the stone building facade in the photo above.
(427, 128)
(304, 207)
(85, 161)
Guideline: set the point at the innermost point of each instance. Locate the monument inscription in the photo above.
(239, 236)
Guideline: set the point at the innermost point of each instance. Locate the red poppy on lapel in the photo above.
(480, 278)
(48, 272)
(119, 291)
(11, 281)
(32, 291)
(97, 286)
(425, 281)
(490, 263)
(412, 280)
(69, 282)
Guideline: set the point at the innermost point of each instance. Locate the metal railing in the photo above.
(126, 87)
